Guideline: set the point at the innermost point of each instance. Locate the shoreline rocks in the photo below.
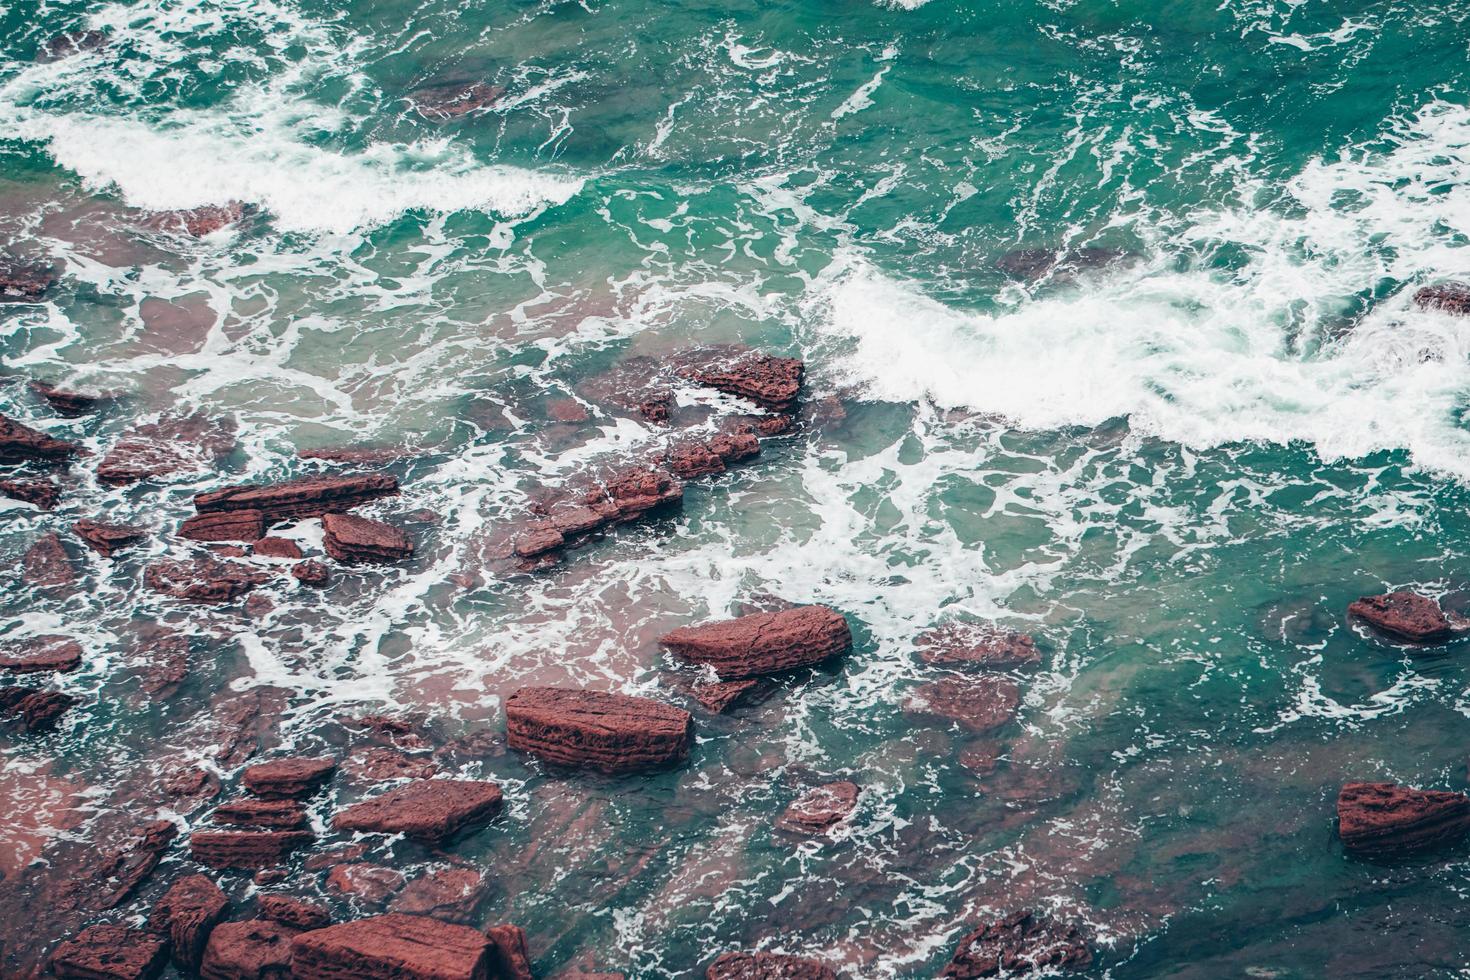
(763, 643)
(354, 540)
(110, 952)
(236, 525)
(246, 849)
(72, 404)
(258, 949)
(819, 810)
(694, 459)
(309, 496)
(46, 564)
(173, 444)
(610, 733)
(201, 579)
(264, 814)
(771, 382)
(405, 947)
(767, 966)
(42, 654)
(630, 494)
(431, 811)
(19, 443)
(1385, 821)
(1448, 297)
(187, 913)
(1021, 942)
(1407, 616)
(41, 494)
(24, 282)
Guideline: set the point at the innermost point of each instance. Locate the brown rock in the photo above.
(450, 894)
(109, 952)
(766, 966)
(403, 947)
(69, 403)
(981, 704)
(21, 443)
(636, 492)
(1019, 943)
(188, 912)
(689, 460)
(173, 444)
(130, 865)
(256, 949)
(657, 406)
(508, 953)
(36, 710)
(310, 496)
(46, 564)
(40, 493)
(612, 733)
(381, 765)
(370, 883)
(204, 220)
(330, 859)
(430, 810)
(245, 848)
(820, 810)
(293, 912)
(720, 697)
(540, 540)
(292, 777)
(276, 548)
(965, 644)
(311, 572)
(1449, 297)
(1386, 821)
(107, 539)
(454, 100)
(773, 425)
(353, 540)
(202, 579)
(234, 525)
(266, 814)
(771, 382)
(763, 643)
(1406, 616)
(41, 654)
(357, 455)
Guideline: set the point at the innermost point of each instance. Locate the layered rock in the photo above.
(42, 494)
(431, 810)
(20, 443)
(693, 459)
(293, 912)
(202, 579)
(132, 864)
(720, 697)
(310, 572)
(275, 548)
(450, 894)
(248, 849)
(965, 645)
(107, 538)
(1386, 821)
(356, 540)
(1449, 297)
(1021, 942)
(256, 949)
(767, 966)
(42, 654)
(454, 100)
(763, 643)
(265, 814)
(509, 956)
(187, 913)
(981, 704)
(771, 382)
(285, 778)
(173, 444)
(1407, 616)
(232, 525)
(109, 952)
(612, 733)
(35, 710)
(820, 809)
(404, 947)
(628, 495)
(309, 496)
(46, 565)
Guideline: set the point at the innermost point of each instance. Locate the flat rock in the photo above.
(820, 809)
(249, 849)
(275, 548)
(1407, 616)
(187, 913)
(1385, 820)
(403, 947)
(357, 540)
(431, 810)
(763, 643)
(132, 864)
(72, 404)
(293, 777)
(46, 564)
(310, 572)
(293, 912)
(310, 496)
(719, 697)
(981, 704)
(173, 444)
(42, 494)
(41, 654)
(19, 443)
(450, 894)
(612, 733)
(109, 952)
(454, 100)
(1449, 297)
(107, 538)
(232, 525)
(202, 579)
(372, 884)
(1019, 943)
(256, 949)
(767, 966)
(771, 382)
(265, 814)
(967, 644)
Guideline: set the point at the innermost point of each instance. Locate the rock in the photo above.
(690, 460)
(109, 952)
(403, 947)
(450, 894)
(40, 493)
(173, 444)
(508, 953)
(72, 404)
(771, 382)
(276, 548)
(431, 810)
(381, 765)
(773, 425)
(330, 859)
(71, 43)
(24, 282)
(311, 572)
(657, 406)
(354, 540)
(373, 884)
(20, 444)
(293, 777)
(981, 704)
(820, 810)
(46, 565)
(720, 697)
(36, 710)
(293, 912)
(167, 665)
(982, 760)
(106, 539)
(266, 814)
(638, 491)
(41, 654)
(188, 912)
(763, 643)
(1022, 942)
(249, 849)
(358, 455)
(766, 966)
(309, 496)
(201, 579)
(1385, 820)
(1407, 616)
(965, 644)
(1033, 264)
(256, 949)
(1449, 297)
(235, 525)
(129, 866)
(203, 220)
(612, 733)
(454, 100)
(567, 410)
(539, 541)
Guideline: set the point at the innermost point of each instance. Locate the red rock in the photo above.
(763, 643)
(245, 848)
(657, 406)
(235, 525)
(773, 425)
(293, 912)
(403, 947)
(309, 496)
(71, 43)
(203, 220)
(46, 564)
(192, 781)
(766, 966)
(266, 877)
(613, 733)
(256, 949)
(109, 952)
(430, 810)
(965, 644)
(381, 765)
(981, 704)
(1450, 297)
(820, 810)
(359, 455)
(40, 493)
(311, 572)
(41, 654)
(539, 541)
(454, 100)
(720, 697)
(266, 814)
(982, 760)
(35, 709)
(1407, 616)
(1019, 943)
(202, 579)
(508, 953)
(567, 410)
(107, 539)
(129, 866)
(450, 894)
(689, 460)
(276, 548)
(188, 912)
(1385, 820)
(173, 444)
(771, 382)
(636, 492)
(167, 665)
(330, 859)
(370, 883)
(292, 777)
(69, 403)
(353, 540)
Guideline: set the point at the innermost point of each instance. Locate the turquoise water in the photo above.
(1175, 463)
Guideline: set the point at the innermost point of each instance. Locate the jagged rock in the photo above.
(539, 540)
(981, 704)
(109, 952)
(820, 810)
(719, 697)
(202, 579)
(404, 947)
(24, 282)
(107, 539)
(1449, 297)
(40, 493)
(46, 565)
(132, 864)
(689, 460)
(1407, 616)
(256, 949)
(309, 496)
(188, 912)
(294, 777)
(430, 810)
(657, 407)
(72, 404)
(275, 548)
(360, 455)
(373, 884)
(36, 710)
(766, 966)
(763, 643)
(40, 654)
(293, 912)
(20, 443)
(964, 644)
(508, 953)
(381, 765)
(266, 814)
(311, 572)
(613, 733)
(1022, 942)
(453, 100)
(771, 382)
(450, 894)
(233, 525)
(773, 425)
(354, 540)
(173, 444)
(628, 495)
(203, 220)
(70, 43)
(245, 848)
(1385, 820)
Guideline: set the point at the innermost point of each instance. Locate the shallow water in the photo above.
(1174, 460)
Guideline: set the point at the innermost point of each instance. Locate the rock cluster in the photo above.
(628, 495)
(187, 913)
(694, 459)
(173, 444)
(771, 382)
(34, 709)
(201, 579)
(1385, 821)
(767, 966)
(763, 643)
(611, 733)
(1407, 616)
(1022, 942)
(1449, 297)
(24, 282)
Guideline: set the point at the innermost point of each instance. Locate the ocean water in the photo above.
(1175, 458)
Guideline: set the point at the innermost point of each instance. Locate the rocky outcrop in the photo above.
(42, 494)
(234, 525)
(771, 382)
(46, 565)
(187, 913)
(249, 849)
(106, 538)
(431, 810)
(628, 495)
(1448, 297)
(256, 949)
(819, 810)
(404, 947)
(767, 966)
(967, 645)
(1384, 821)
(509, 956)
(310, 496)
(41, 654)
(1407, 616)
(24, 282)
(981, 704)
(71, 43)
(719, 697)
(202, 579)
(354, 540)
(20, 443)
(293, 912)
(450, 894)
(265, 814)
(275, 548)
(288, 778)
(1020, 943)
(72, 404)
(693, 459)
(35, 710)
(357, 455)
(612, 733)
(109, 952)
(173, 444)
(311, 572)
(454, 100)
(763, 643)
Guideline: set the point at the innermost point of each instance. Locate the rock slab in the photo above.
(763, 643)
(356, 540)
(188, 913)
(1406, 616)
(611, 733)
(397, 946)
(431, 810)
(293, 777)
(109, 952)
(1386, 820)
(1019, 943)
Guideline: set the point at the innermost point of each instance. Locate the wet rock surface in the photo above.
(509, 956)
(819, 809)
(175, 444)
(356, 540)
(1407, 616)
(404, 947)
(763, 643)
(430, 810)
(66, 401)
(265, 814)
(41, 654)
(24, 282)
(33, 709)
(771, 382)
(1384, 821)
(187, 913)
(255, 949)
(767, 966)
(293, 912)
(1449, 297)
(71, 43)
(46, 563)
(967, 645)
(720, 697)
(612, 733)
(368, 884)
(42, 494)
(980, 704)
(107, 538)
(629, 494)
(20, 443)
(236, 525)
(311, 573)
(454, 100)
(450, 894)
(311, 496)
(245, 849)
(109, 952)
(286, 778)
(1020, 943)
(275, 548)
(202, 579)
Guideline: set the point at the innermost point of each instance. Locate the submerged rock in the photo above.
(293, 912)
(106, 538)
(256, 949)
(432, 810)
(19, 443)
(1449, 297)
(275, 548)
(508, 954)
(767, 966)
(1407, 616)
(965, 644)
(612, 733)
(771, 382)
(266, 814)
(109, 952)
(250, 849)
(981, 704)
(450, 894)
(356, 540)
(372, 884)
(820, 809)
(173, 444)
(202, 579)
(42, 654)
(1022, 942)
(310, 496)
(46, 564)
(70, 43)
(24, 282)
(310, 572)
(763, 643)
(693, 459)
(130, 865)
(1385, 820)
(203, 220)
(630, 494)
(234, 525)
(42, 494)
(72, 404)
(36, 710)
(187, 913)
(294, 777)
(454, 100)
(404, 947)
